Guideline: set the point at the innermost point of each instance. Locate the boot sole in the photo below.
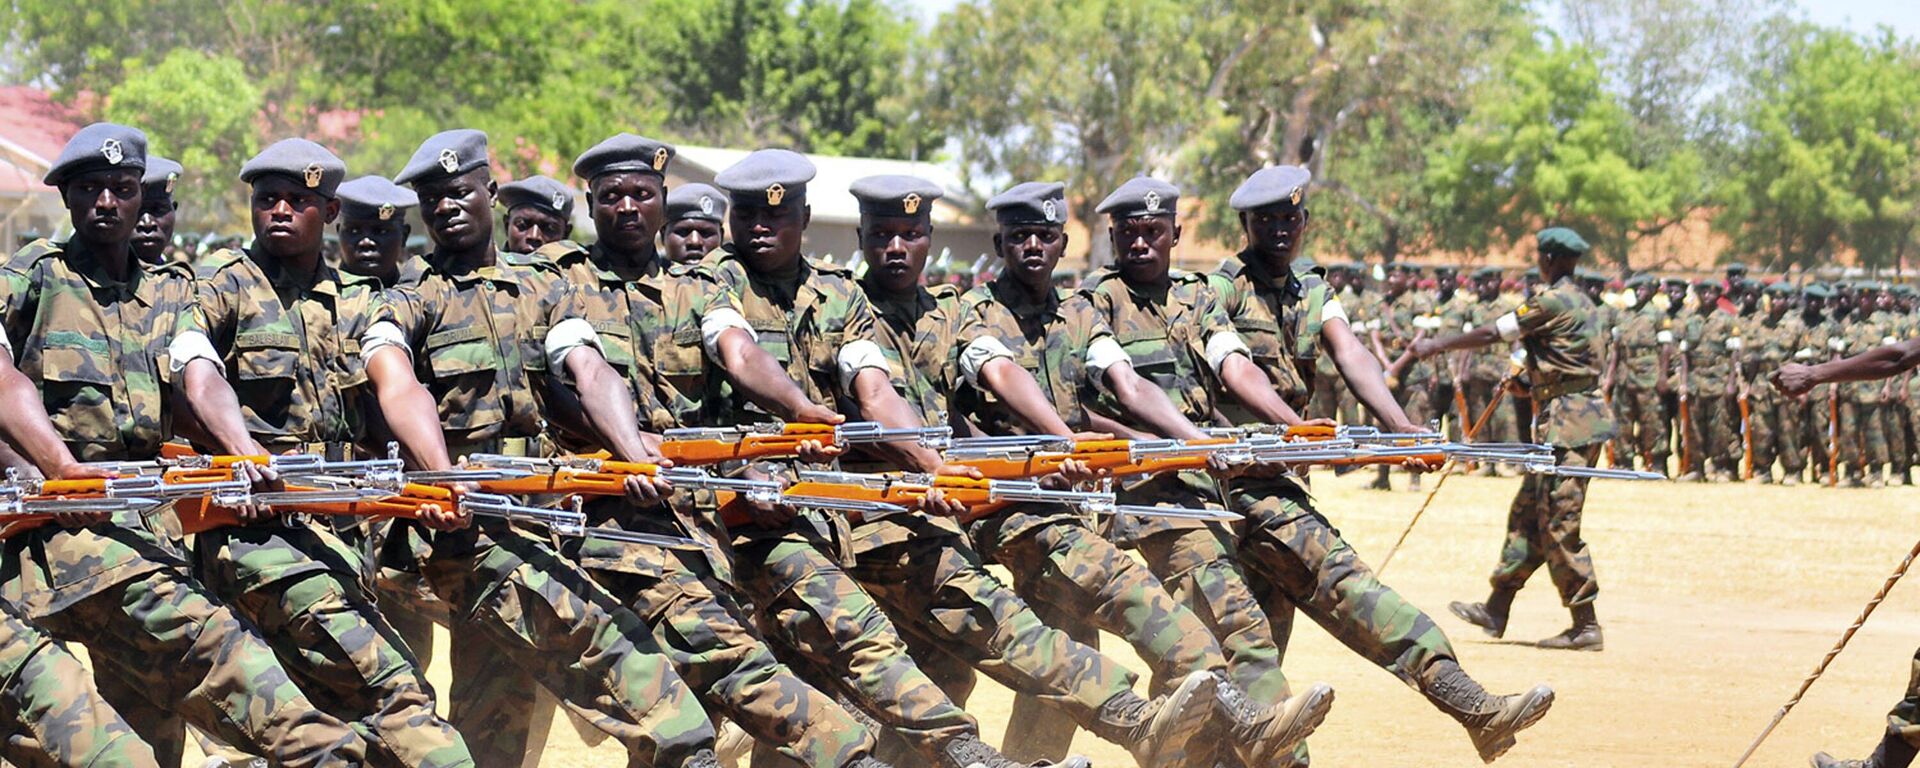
(1315, 704)
(1461, 614)
(1185, 715)
(1539, 700)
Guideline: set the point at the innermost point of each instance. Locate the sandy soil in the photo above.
(1716, 600)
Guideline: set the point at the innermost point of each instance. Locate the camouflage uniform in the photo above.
(477, 339)
(1486, 368)
(50, 714)
(1773, 417)
(1543, 525)
(1863, 434)
(98, 349)
(1715, 410)
(1822, 341)
(797, 575)
(291, 349)
(648, 321)
(1331, 398)
(1636, 399)
(1450, 374)
(1294, 558)
(1396, 323)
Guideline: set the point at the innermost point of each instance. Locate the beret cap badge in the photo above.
(660, 158)
(1152, 201)
(1052, 211)
(706, 204)
(449, 160)
(171, 178)
(386, 212)
(776, 193)
(559, 200)
(110, 149)
(1294, 197)
(311, 174)
(911, 203)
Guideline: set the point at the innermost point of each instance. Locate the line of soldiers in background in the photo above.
(1683, 367)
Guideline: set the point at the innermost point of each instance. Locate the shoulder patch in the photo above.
(219, 260)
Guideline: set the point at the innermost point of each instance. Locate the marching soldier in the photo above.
(1451, 307)
(373, 227)
(1556, 327)
(1709, 344)
(1673, 376)
(1636, 370)
(539, 211)
(1404, 315)
(1486, 367)
(1863, 404)
(1821, 342)
(91, 322)
(695, 216)
(153, 233)
(1772, 340)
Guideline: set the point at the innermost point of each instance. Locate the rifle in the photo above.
(29, 504)
(849, 492)
(1686, 418)
(1833, 435)
(698, 446)
(1746, 434)
(596, 477)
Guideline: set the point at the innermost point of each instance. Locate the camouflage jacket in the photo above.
(1492, 362)
(1048, 335)
(916, 332)
(1866, 334)
(1279, 317)
(1820, 341)
(802, 321)
(98, 349)
(1713, 341)
(1636, 344)
(1563, 349)
(291, 347)
(1401, 319)
(1766, 345)
(1165, 332)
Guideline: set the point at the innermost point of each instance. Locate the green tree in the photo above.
(198, 110)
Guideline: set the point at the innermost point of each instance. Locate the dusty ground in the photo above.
(1716, 599)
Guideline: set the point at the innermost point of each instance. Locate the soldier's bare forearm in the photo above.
(761, 378)
(1022, 395)
(1112, 426)
(1149, 405)
(1878, 363)
(1254, 390)
(25, 425)
(210, 400)
(1474, 339)
(1364, 376)
(409, 409)
(878, 402)
(606, 404)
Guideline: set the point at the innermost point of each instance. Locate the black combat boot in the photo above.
(1491, 721)
(702, 759)
(970, 752)
(1583, 636)
(1267, 735)
(1893, 752)
(1490, 616)
(1162, 733)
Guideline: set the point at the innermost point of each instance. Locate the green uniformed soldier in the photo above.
(1709, 342)
(1487, 367)
(1882, 361)
(641, 332)
(153, 233)
(467, 328)
(1404, 315)
(282, 342)
(813, 318)
(1863, 404)
(695, 215)
(539, 211)
(90, 322)
(1907, 391)
(1330, 396)
(1636, 371)
(1679, 420)
(1821, 342)
(1286, 319)
(1452, 308)
(1556, 327)
(1773, 339)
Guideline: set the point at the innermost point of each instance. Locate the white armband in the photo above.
(566, 336)
(978, 353)
(1519, 357)
(1837, 344)
(1332, 310)
(856, 356)
(1103, 354)
(1734, 343)
(1508, 325)
(1223, 345)
(717, 322)
(1805, 353)
(1889, 341)
(1664, 337)
(1466, 327)
(1426, 323)
(1683, 345)
(190, 345)
(383, 334)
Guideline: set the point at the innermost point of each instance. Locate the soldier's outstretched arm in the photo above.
(1022, 395)
(1148, 404)
(1254, 390)
(206, 399)
(25, 426)
(1878, 363)
(605, 401)
(410, 410)
(873, 391)
(762, 379)
(1363, 375)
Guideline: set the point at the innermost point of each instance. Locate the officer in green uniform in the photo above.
(539, 211)
(1556, 327)
(158, 210)
(373, 229)
(282, 344)
(1286, 319)
(90, 323)
(1710, 342)
(1773, 339)
(1635, 371)
(467, 327)
(1880, 362)
(695, 215)
(813, 318)
(1673, 375)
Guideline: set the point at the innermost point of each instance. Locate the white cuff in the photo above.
(856, 356)
(1683, 345)
(1102, 354)
(570, 334)
(717, 322)
(1426, 323)
(1805, 353)
(1466, 326)
(1664, 337)
(187, 346)
(1509, 326)
(383, 334)
(1837, 344)
(1889, 341)
(1734, 343)
(978, 353)
(1332, 310)
(1223, 344)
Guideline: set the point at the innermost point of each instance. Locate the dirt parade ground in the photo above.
(1716, 600)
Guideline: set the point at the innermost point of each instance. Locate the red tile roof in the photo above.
(33, 122)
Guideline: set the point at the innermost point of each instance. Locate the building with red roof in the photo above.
(33, 129)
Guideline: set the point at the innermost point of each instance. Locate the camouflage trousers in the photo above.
(51, 714)
(1904, 720)
(1499, 427)
(1775, 422)
(516, 600)
(1899, 430)
(1643, 428)
(1416, 398)
(1863, 436)
(220, 675)
(1543, 528)
(1295, 560)
(1818, 429)
(1716, 432)
(821, 614)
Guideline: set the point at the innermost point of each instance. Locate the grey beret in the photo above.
(1032, 202)
(162, 173)
(99, 147)
(1281, 184)
(301, 160)
(624, 152)
(895, 195)
(540, 192)
(1141, 196)
(696, 201)
(373, 197)
(445, 154)
(766, 177)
